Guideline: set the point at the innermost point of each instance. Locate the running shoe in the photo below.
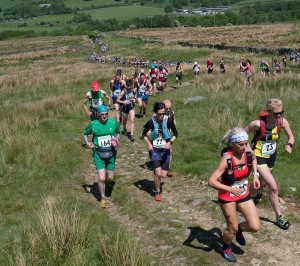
(240, 238)
(131, 138)
(124, 132)
(158, 197)
(282, 223)
(258, 197)
(103, 203)
(228, 255)
(170, 173)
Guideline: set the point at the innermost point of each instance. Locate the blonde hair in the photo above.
(230, 133)
(271, 104)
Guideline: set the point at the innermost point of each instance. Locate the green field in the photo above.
(60, 21)
(124, 12)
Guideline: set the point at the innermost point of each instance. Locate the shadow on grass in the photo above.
(208, 240)
(147, 165)
(267, 220)
(147, 186)
(94, 189)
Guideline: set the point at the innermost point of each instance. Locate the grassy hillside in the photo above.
(44, 164)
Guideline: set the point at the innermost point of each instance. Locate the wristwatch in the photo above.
(256, 173)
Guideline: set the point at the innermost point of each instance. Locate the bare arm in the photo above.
(214, 182)
(107, 97)
(120, 97)
(253, 126)
(287, 129)
(86, 108)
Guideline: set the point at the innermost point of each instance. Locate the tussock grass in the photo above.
(60, 237)
(117, 250)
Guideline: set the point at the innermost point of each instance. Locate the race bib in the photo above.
(159, 143)
(268, 148)
(116, 93)
(104, 141)
(241, 185)
(96, 103)
(142, 89)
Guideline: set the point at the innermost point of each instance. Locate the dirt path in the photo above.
(185, 228)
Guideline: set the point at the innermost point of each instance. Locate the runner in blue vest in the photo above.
(127, 99)
(95, 98)
(116, 86)
(159, 144)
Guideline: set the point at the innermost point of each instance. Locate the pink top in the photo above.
(248, 68)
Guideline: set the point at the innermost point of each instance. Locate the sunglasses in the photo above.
(102, 114)
(278, 113)
(161, 113)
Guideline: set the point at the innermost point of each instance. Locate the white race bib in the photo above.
(104, 141)
(159, 143)
(268, 148)
(241, 185)
(96, 103)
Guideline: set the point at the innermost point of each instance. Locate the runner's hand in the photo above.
(150, 147)
(256, 182)
(90, 145)
(236, 191)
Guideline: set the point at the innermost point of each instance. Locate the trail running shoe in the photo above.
(228, 255)
(240, 238)
(131, 138)
(170, 173)
(158, 197)
(103, 203)
(124, 132)
(258, 197)
(282, 223)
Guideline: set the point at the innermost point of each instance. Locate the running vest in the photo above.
(116, 90)
(162, 75)
(96, 99)
(170, 114)
(129, 95)
(142, 88)
(160, 130)
(153, 74)
(231, 174)
(264, 139)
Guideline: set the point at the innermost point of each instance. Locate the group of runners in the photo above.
(238, 159)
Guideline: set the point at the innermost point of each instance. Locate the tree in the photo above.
(168, 9)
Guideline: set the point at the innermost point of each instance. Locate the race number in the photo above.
(159, 143)
(96, 103)
(104, 141)
(268, 148)
(241, 185)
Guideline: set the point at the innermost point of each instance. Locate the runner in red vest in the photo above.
(154, 77)
(230, 179)
(162, 78)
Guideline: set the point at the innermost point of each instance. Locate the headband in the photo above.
(239, 137)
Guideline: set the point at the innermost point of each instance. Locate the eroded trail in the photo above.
(186, 227)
